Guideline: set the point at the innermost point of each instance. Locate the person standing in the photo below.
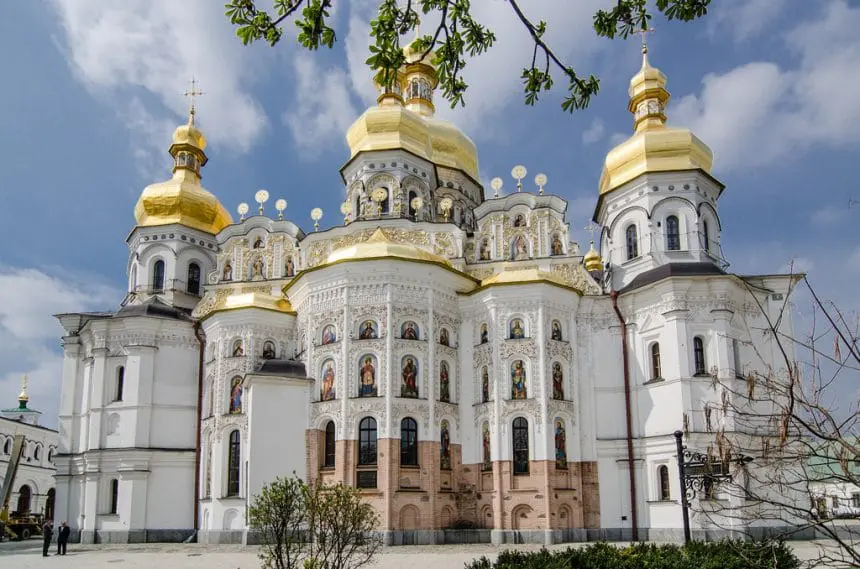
(63, 538)
(47, 535)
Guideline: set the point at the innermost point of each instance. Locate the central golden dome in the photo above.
(654, 147)
(410, 125)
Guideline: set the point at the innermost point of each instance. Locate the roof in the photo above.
(153, 307)
(672, 270)
(291, 368)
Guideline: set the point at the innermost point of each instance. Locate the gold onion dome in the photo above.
(182, 199)
(379, 246)
(403, 119)
(592, 260)
(654, 147)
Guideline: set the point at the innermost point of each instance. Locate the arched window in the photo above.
(412, 211)
(7, 446)
(37, 453)
(632, 242)
(663, 477)
(49, 504)
(120, 383)
(521, 445)
(367, 441)
(193, 279)
(24, 495)
(158, 275)
(673, 234)
(233, 463)
(699, 355)
(50, 455)
(114, 496)
(706, 236)
(408, 442)
(655, 361)
(328, 455)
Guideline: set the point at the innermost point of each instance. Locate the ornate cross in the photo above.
(643, 33)
(591, 228)
(192, 93)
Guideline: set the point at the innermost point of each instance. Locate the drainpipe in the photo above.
(201, 340)
(627, 408)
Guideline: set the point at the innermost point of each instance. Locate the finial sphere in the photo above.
(281, 204)
(497, 183)
(261, 196)
(346, 208)
(242, 209)
(316, 214)
(519, 172)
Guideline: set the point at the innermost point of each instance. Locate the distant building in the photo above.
(833, 485)
(33, 486)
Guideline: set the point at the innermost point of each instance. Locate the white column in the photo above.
(389, 369)
(542, 393)
(346, 384)
(97, 386)
(430, 372)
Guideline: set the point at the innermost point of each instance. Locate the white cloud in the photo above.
(742, 19)
(594, 132)
(830, 215)
(156, 46)
(758, 113)
(321, 111)
(617, 138)
(29, 333)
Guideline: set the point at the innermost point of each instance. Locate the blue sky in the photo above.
(93, 92)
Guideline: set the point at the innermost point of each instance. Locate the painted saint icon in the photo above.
(257, 268)
(486, 463)
(368, 330)
(443, 337)
(409, 388)
(327, 388)
(560, 445)
(518, 380)
(329, 335)
(238, 350)
(367, 373)
(289, 268)
(444, 382)
(228, 272)
(555, 334)
(519, 249)
(236, 395)
(258, 243)
(269, 350)
(556, 248)
(409, 330)
(517, 329)
(445, 447)
(485, 385)
(557, 381)
(519, 220)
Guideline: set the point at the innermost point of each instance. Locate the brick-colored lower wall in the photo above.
(427, 497)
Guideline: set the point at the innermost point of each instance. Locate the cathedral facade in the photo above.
(454, 356)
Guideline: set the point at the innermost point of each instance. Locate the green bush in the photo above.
(698, 555)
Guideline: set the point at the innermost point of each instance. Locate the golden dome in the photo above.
(592, 260)
(182, 199)
(387, 127)
(378, 246)
(524, 276)
(452, 148)
(654, 147)
(258, 300)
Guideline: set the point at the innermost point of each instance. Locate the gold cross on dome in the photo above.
(591, 228)
(192, 93)
(643, 32)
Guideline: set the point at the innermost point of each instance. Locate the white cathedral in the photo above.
(451, 354)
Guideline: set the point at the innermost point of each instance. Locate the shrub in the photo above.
(698, 555)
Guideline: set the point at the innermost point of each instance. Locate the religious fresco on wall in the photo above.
(329, 335)
(289, 267)
(369, 330)
(519, 220)
(485, 384)
(517, 331)
(485, 334)
(445, 447)
(236, 396)
(257, 268)
(409, 330)
(556, 247)
(258, 243)
(444, 382)
(367, 375)
(484, 250)
(486, 463)
(409, 388)
(556, 331)
(238, 350)
(519, 248)
(269, 350)
(560, 445)
(327, 386)
(228, 272)
(518, 380)
(443, 337)
(557, 381)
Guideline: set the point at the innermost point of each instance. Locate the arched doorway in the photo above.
(49, 505)
(24, 496)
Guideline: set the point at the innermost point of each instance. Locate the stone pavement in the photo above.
(28, 555)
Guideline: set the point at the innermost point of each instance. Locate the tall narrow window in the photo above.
(632, 242)
(114, 495)
(706, 235)
(120, 383)
(367, 441)
(158, 275)
(233, 464)
(663, 476)
(521, 445)
(655, 361)
(328, 460)
(699, 355)
(408, 442)
(673, 235)
(194, 279)
(736, 355)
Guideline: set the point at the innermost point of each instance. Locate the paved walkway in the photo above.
(28, 555)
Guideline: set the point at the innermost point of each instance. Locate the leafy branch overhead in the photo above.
(456, 35)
